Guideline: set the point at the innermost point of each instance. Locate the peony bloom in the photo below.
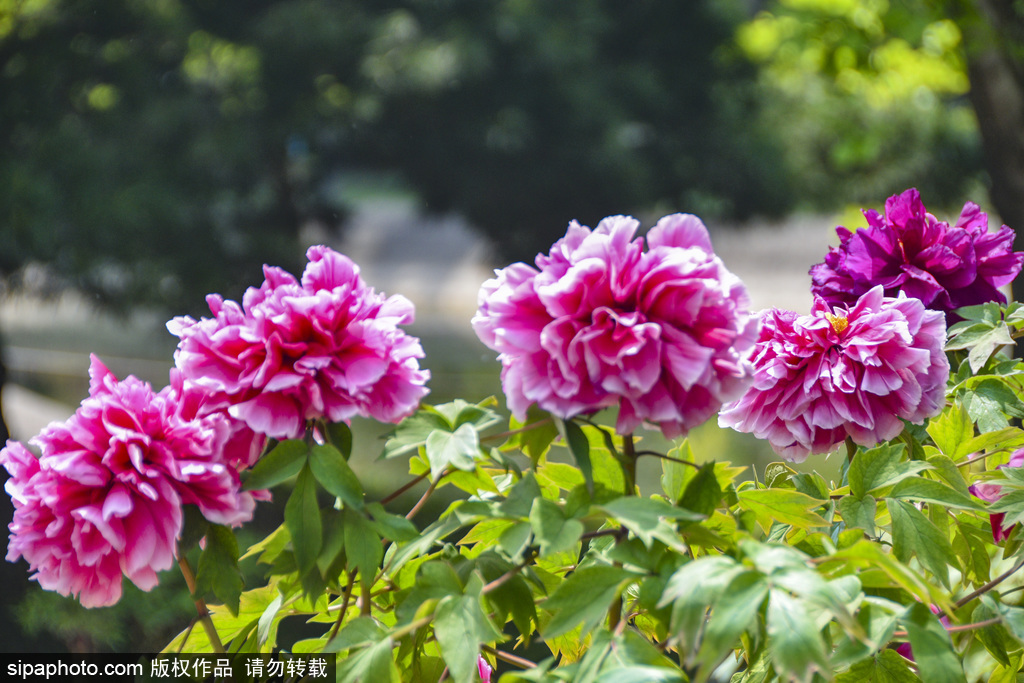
(484, 669)
(991, 492)
(904, 648)
(663, 333)
(324, 346)
(908, 250)
(104, 499)
(842, 372)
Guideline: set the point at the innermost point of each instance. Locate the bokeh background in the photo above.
(154, 151)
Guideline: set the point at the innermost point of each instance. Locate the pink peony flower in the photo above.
(909, 250)
(104, 499)
(842, 372)
(663, 334)
(326, 346)
(991, 492)
(484, 669)
(905, 649)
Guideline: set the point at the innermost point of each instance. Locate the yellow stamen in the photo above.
(839, 323)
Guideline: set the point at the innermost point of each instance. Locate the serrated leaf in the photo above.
(781, 505)
(461, 627)
(794, 638)
(931, 491)
(859, 512)
(990, 403)
(302, 517)
(459, 449)
(534, 436)
(218, 570)
(578, 444)
(703, 492)
(372, 663)
(951, 430)
(282, 462)
(363, 547)
(519, 499)
(584, 598)
(391, 526)
(879, 467)
(915, 534)
(732, 614)
(552, 529)
(644, 517)
(676, 475)
(934, 655)
(412, 432)
(333, 472)
(887, 666)
(691, 590)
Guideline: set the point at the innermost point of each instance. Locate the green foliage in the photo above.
(553, 565)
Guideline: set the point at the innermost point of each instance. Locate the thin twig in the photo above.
(426, 494)
(656, 454)
(347, 596)
(513, 432)
(989, 586)
(504, 578)
(395, 494)
(521, 662)
(204, 614)
(959, 628)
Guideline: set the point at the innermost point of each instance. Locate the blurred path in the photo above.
(437, 262)
(440, 263)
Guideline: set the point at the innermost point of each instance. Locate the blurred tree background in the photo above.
(152, 151)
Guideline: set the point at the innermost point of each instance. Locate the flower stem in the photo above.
(204, 614)
(629, 464)
(405, 487)
(426, 494)
(510, 658)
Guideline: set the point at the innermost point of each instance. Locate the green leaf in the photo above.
(460, 627)
(951, 430)
(781, 505)
(865, 555)
(515, 539)
(302, 517)
(584, 597)
(880, 467)
(732, 614)
(990, 403)
(519, 499)
(391, 526)
(534, 436)
(218, 567)
(934, 655)
(460, 449)
(578, 444)
(413, 431)
(703, 492)
(460, 412)
(676, 475)
(282, 462)
(859, 512)
(640, 674)
(552, 529)
(931, 491)
(794, 638)
(339, 435)
(363, 547)
(332, 471)
(358, 633)
(914, 534)
(644, 517)
(372, 663)
(887, 666)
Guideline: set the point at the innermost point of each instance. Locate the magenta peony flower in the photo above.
(104, 499)
(991, 492)
(484, 669)
(843, 372)
(664, 333)
(909, 250)
(326, 346)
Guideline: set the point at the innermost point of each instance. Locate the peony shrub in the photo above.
(556, 557)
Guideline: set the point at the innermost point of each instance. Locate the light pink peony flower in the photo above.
(104, 499)
(991, 492)
(664, 334)
(842, 372)
(326, 346)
